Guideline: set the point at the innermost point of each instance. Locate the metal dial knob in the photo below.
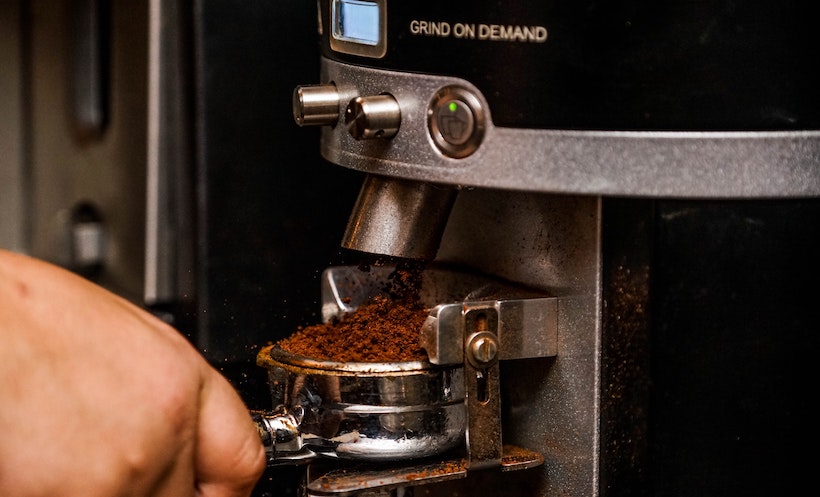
(377, 116)
(316, 105)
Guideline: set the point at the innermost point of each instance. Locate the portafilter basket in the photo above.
(384, 411)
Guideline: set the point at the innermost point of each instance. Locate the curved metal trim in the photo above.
(685, 164)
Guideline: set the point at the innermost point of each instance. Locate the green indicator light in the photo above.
(452, 106)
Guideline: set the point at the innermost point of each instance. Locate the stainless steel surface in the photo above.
(654, 164)
(527, 328)
(381, 481)
(370, 412)
(280, 435)
(403, 394)
(550, 243)
(377, 116)
(316, 105)
(399, 218)
(64, 170)
(169, 226)
(484, 444)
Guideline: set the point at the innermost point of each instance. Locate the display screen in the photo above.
(356, 21)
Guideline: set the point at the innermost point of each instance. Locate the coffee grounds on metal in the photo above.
(384, 329)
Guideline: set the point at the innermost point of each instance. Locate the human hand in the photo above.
(100, 398)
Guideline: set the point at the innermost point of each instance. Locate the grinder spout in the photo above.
(399, 218)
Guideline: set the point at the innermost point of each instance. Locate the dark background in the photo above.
(270, 211)
(625, 64)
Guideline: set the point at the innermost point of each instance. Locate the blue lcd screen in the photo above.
(356, 21)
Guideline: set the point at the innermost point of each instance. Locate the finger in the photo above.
(230, 457)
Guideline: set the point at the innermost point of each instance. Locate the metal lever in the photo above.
(284, 442)
(281, 437)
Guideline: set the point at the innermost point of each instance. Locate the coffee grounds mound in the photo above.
(381, 330)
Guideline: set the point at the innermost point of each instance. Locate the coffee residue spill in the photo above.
(386, 328)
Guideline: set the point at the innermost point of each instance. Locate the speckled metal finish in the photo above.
(680, 164)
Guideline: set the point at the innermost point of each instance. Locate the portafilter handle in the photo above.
(281, 437)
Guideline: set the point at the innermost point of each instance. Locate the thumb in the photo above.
(229, 453)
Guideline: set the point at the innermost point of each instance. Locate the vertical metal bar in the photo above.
(13, 184)
(168, 197)
(481, 375)
(89, 67)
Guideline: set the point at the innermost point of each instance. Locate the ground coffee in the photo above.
(384, 329)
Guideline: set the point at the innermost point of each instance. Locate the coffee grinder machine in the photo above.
(648, 172)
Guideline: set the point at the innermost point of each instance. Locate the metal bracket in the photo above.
(483, 393)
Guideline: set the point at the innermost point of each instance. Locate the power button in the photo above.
(456, 121)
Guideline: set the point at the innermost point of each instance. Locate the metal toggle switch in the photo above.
(377, 116)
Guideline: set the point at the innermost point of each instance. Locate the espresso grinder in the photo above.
(612, 204)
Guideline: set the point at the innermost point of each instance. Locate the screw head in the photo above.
(484, 348)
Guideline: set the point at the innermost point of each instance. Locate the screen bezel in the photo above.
(350, 46)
